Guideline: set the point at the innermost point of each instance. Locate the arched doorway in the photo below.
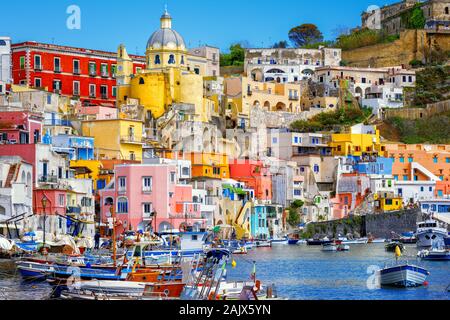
(257, 75)
(280, 106)
(267, 105)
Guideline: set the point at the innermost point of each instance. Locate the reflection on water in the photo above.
(299, 272)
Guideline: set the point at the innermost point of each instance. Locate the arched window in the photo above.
(122, 205)
(171, 59)
(182, 59)
(141, 81)
(157, 59)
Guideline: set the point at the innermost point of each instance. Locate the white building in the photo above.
(5, 63)
(383, 97)
(16, 191)
(414, 191)
(288, 65)
(212, 56)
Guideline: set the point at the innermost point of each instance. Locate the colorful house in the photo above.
(209, 165)
(259, 226)
(120, 139)
(20, 127)
(255, 175)
(385, 202)
(147, 196)
(361, 140)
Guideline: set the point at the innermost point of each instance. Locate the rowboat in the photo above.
(404, 276)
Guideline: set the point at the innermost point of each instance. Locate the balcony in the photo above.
(104, 96)
(293, 98)
(93, 73)
(104, 75)
(73, 210)
(57, 122)
(76, 72)
(38, 68)
(57, 70)
(48, 179)
(131, 140)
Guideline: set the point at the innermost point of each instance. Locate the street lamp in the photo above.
(44, 201)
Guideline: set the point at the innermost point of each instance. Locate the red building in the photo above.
(87, 75)
(20, 127)
(255, 175)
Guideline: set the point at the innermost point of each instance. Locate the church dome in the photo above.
(166, 37)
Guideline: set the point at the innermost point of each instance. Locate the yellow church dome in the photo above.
(166, 37)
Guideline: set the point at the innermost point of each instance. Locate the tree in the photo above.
(235, 57)
(305, 34)
(281, 44)
(294, 216)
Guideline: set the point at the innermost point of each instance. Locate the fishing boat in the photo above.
(403, 275)
(428, 232)
(239, 250)
(435, 254)
(318, 242)
(356, 241)
(263, 243)
(280, 241)
(34, 270)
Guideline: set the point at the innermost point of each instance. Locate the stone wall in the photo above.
(378, 225)
(412, 45)
(418, 113)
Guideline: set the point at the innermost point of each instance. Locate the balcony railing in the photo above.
(131, 139)
(104, 96)
(58, 122)
(293, 98)
(93, 73)
(104, 75)
(76, 71)
(57, 70)
(76, 210)
(38, 68)
(48, 179)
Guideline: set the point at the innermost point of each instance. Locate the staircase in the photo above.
(12, 175)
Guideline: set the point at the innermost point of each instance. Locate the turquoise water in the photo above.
(306, 273)
(299, 272)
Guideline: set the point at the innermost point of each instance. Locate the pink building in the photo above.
(255, 175)
(351, 189)
(20, 127)
(148, 195)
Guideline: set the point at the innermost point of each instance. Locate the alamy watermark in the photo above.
(373, 282)
(73, 22)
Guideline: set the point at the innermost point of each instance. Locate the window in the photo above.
(122, 205)
(447, 160)
(274, 140)
(113, 70)
(76, 88)
(316, 168)
(363, 80)
(297, 193)
(396, 177)
(197, 70)
(76, 66)
(138, 69)
(92, 90)
(405, 178)
(92, 69)
(122, 184)
(435, 159)
(22, 62)
(147, 184)
(157, 59)
(62, 200)
(147, 209)
(295, 139)
(60, 172)
(104, 92)
(410, 159)
(132, 156)
(57, 64)
(37, 82)
(402, 160)
(114, 92)
(172, 177)
(422, 189)
(104, 70)
(182, 60)
(37, 62)
(430, 189)
(57, 85)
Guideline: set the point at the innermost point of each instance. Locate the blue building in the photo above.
(378, 166)
(259, 226)
(78, 148)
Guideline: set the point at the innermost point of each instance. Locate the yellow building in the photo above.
(209, 165)
(167, 79)
(120, 139)
(386, 203)
(359, 141)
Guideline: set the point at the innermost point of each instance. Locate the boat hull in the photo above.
(403, 276)
(425, 239)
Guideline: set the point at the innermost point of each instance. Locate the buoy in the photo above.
(233, 264)
(426, 283)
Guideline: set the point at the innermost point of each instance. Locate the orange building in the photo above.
(419, 162)
(442, 188)
(208, 165)
(255, 175)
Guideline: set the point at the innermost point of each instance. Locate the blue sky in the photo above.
(106, 23)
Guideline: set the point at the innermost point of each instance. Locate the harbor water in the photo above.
(299, 272)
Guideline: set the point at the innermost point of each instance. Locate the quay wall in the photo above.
(378, 225)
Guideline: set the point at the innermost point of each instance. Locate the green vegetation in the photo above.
(433, 130)
(294, 216)
(362, 38)
(305, 34)
(281, 44)
(414, 19)
(328, 121)
(432, 85)
(234, 58)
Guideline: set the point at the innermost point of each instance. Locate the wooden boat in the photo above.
(404, 276)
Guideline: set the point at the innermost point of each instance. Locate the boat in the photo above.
(293, 241)
(428, 232)
(280, 241)
(343, 247)
(403, 275)
(330, 247)
(317, 242)
(263, 243)
(435, 254)
(355, 241)
(239, 250)
(391, 246)
(302, 242)
(34, 270)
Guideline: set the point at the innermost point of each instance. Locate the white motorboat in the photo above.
(263, 243)
(330, 247)
(429, 232)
